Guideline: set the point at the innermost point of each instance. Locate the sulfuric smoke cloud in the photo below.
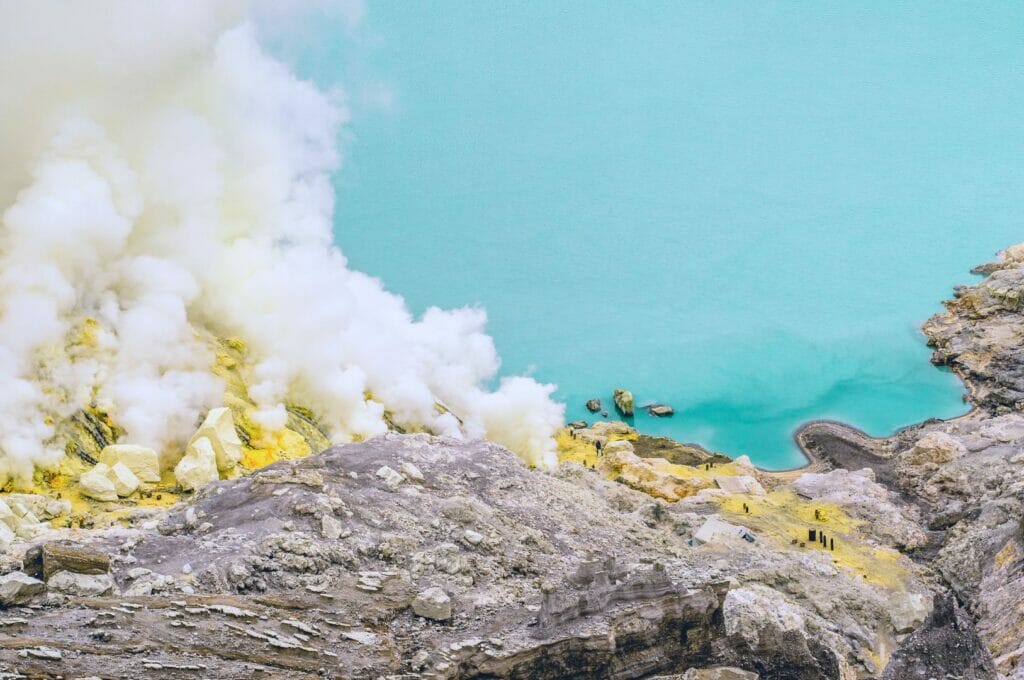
(165, 181)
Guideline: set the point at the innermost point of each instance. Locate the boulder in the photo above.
(18, 588)
(752, 610)
(331, 527)
(577, 425)
(908, 610)
(67, 556)
(661, 410)
(198, 467)
(934, 448)
(142, 461)
(593, 405)
(433, 603)
(124, 480)
(411, 471)
(393, 478)
(623, 402)
(219, 429)
(96, 483)
(81, 585)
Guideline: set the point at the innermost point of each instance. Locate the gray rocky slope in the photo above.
(411, 556)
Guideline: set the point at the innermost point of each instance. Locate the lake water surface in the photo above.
(745, 210)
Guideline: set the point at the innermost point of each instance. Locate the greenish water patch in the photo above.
(742, 209)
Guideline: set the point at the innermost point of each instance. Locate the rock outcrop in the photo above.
(412, 556)
(623, 402)
(470, 566)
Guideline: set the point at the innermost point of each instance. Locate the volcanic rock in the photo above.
(18, 588)
(623, 402)
(433, 603)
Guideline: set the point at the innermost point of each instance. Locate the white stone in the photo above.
(363, 637)
(29, 526)
(198, 467)
(907, 611)
(81, 585)
(331, 527)
(6, 516)
(7, 536)
(473, 537)
(433, 603)
(141, 460)
(219, 429)
(391, 477)
(96, 484)
(18, 588)
(411, 471)
(124, 480)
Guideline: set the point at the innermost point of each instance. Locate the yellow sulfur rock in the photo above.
(219, 430)
(124, 480)
(142, 461)
(198, 467)
(96, 484)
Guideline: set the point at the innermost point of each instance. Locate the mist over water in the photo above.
(743, 210)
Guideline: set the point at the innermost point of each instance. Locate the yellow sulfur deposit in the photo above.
(782, 516)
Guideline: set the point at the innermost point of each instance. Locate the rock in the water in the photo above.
(81, 585)
(594, 405)
(433, 603)
(124, 480)
(199, 465)
(219, 429)
(141, 460)
(96, 483)
(18, 588)
(623, 402)
(577, 425)
(661, 410)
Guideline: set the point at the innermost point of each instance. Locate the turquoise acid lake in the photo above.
(745, 210)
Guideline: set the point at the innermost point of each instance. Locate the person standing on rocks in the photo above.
(597, 445)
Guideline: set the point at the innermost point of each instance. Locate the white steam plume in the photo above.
(167, 178)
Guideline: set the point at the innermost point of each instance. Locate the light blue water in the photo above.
(742, 209)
